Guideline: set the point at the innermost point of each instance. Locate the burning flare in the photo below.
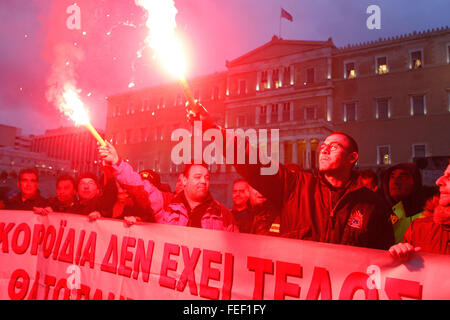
(162, 36)
(165, 43)
(72, 106)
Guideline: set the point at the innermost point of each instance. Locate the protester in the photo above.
(403, 191)
(179, 185)
(368, 179)
(65, 200)
(266, 218)
(92, 200)
(241, 206)
(329, 206)
(129, 209)
(29, 195)
(155, 179)
(193, 207)
(430, 233)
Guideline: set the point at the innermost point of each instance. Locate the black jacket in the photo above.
(243, 219)
(16, 202)
(266, 219)
(58, 206)
(357, 216)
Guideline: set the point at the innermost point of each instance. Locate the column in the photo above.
(301, 148)
(257, 113)
(269, 79)
(291, 109)
(294, 152)
(226, 119)
(292, 75)
(329, 108)
(308, 154)
(258, 81)
(280, 112)
(329, 68)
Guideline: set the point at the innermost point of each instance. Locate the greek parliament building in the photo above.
(392, 95)
(76, 145)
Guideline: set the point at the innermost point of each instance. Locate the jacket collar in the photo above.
(181, 197)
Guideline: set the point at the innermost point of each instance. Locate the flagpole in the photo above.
(279, 33)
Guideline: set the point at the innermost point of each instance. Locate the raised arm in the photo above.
(276, 185)
(133, 182)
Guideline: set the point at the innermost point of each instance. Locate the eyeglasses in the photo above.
(333, 147)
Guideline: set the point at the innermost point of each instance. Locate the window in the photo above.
(350, 71)
(263, 115)
(140, 165)
(448, 100)
(418, 105)
(384, 155)
(448, 53)
(381, 66)
(161, 103)
(275, 78)
(241, 121)
(287, 76)
(264, 80)
(350, 112)
(310, 75)
(128, 137)
(197, 94)
(310, 113)
(114, 138)
(215, 94)
(274, 113)
(144, 135)
(179, 101)
(288, 151)
(157, 135)
(286, 111)
(416, 60)
(383, 111)
(419, 150)
(156, 167)
(242, 87)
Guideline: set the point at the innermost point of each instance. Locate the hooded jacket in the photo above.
(405, 211)
(311, 209)
(432, 231)
(175, 210)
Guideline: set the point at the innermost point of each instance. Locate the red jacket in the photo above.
(432, 231)
(430, 236)
(359, 217)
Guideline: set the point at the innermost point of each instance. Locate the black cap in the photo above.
(151, 176)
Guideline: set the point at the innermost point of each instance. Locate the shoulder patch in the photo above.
(356, 219)
(394, 219)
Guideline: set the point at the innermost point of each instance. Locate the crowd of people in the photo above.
(337, 204)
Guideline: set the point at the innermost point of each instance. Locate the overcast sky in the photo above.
(34, 31)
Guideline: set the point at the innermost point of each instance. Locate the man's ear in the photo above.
(353, 157)
(184, 180)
